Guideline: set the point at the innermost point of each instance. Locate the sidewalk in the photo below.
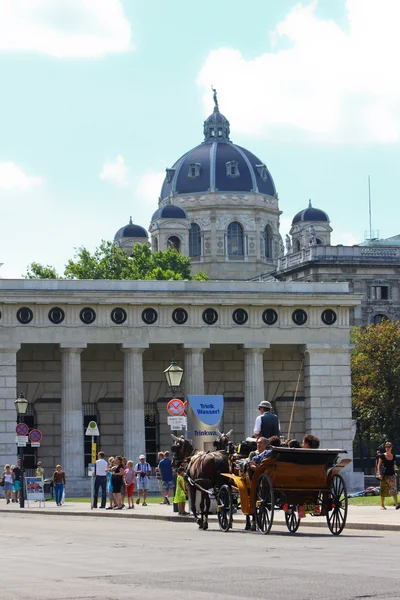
(358, 517)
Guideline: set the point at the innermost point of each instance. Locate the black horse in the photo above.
(203, 471)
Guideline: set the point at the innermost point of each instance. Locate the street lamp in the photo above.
(173, 375)
(21, 404)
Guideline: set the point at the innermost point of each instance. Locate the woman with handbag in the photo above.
(386, 474)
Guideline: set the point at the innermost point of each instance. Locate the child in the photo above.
(129, 479)
(180, 493)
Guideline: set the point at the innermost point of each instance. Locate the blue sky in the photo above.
(100, 96)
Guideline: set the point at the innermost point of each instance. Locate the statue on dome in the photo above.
(313, 237)
(288, 245)
(215, 96)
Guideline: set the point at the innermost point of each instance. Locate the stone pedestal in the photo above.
(72, 430)
(134, 431)
(253, 386)
(8, 395)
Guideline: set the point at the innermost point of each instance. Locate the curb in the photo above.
(125, 515)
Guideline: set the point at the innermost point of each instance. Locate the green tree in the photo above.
(109, 262)
(375, 366)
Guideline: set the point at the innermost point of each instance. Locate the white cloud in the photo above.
(326, 84)
(115, 172)
(347, 239)
(12, 177)
(148, 187)
(65, 28)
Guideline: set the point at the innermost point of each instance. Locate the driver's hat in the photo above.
(265, 404)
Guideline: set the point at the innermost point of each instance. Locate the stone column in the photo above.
(8, 395)
(134, 432)
(254, 390)
(72, 433)
(194, 370)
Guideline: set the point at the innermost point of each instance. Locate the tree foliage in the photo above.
(109, 262)
(375, 367)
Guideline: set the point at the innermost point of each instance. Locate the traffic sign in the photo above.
(21, 429)
(177, 423)
(175, 407)
(22, 439)
(185, 408)
(21, 444)
(35, 444)
(92, 429)
(35, 436)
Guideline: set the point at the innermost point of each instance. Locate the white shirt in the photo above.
(101, 466)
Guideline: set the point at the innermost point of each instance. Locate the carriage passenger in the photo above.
(264, 447)
(310, 441)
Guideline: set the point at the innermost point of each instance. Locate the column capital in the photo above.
(131, 349)
(195, 348)
(9, 347)
(327, 348)
(73, 348)
(255, 348)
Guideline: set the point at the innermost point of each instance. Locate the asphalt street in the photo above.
(76, 558)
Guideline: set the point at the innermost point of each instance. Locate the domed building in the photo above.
(310, 227)
(129, 235)
(231, 229)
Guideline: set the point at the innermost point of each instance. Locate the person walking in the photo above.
(158, 476)
(59, 484)
(8, 481)
(167, 476)
(100, 481)
(142, 470)
(17, 480)
(39, 471)
(387, 476)
(267, 424)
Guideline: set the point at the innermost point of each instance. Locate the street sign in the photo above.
(21, 429)
(177, 422)
(92, 429)
(21, 444)
(21, 439)
(35, 436)
(35, 444)
(175, 407)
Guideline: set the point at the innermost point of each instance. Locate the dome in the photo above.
(217, 165)
(310, 214)
(170, 211)
(131, 231)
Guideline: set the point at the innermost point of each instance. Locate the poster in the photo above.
(34, 488)
(205, 416)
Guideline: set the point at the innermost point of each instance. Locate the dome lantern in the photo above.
(216, 126)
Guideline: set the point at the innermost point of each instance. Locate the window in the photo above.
(296, 246)
(268, 241)
(194, 240)
(212, 132)
(262, 171)
(219, 131)
(379, 292)
(232, 169)
(169, 174)
(174, 243)
(379, 318)
(194, 170)
(235, 239)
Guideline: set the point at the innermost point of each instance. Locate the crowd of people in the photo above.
(10, 480)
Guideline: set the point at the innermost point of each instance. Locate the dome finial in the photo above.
(130, 221)
(215, 97)
(309, 203)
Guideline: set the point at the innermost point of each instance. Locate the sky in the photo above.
(98, 97)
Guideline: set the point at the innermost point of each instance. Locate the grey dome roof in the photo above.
(170, 211)
(131, 231)
(310, 214)
(211, 160)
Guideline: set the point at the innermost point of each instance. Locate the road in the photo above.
(79, 558)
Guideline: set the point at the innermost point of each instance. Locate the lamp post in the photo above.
(173, 375)
(21, 404)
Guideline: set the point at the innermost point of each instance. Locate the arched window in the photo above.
(268, 241)
(155, 245)
(379, 318)
(296, 246)
(235, 239)
(319, 242)
(174, 243)
(194, 240)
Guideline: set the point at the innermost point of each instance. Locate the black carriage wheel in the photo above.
(264, 504)
(225, 510)
(336, 511)
(292, 519)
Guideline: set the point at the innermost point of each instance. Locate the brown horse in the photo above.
(203, 472)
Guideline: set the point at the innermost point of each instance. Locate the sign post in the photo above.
(94, 432)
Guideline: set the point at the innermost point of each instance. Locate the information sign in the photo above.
(92, 429)
(34, 488)
(177, 422)
(21, 438)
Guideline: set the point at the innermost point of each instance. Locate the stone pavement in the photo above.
(359, 517)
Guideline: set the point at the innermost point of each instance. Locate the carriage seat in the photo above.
(245, 447)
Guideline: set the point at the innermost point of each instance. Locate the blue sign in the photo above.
(208, 409)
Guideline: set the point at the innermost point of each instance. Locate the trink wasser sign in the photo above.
(205, 416)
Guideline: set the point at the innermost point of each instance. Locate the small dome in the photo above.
(131, 231)
(310, 214)
(169, 211)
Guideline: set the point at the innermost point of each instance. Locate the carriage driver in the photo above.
(267, 424)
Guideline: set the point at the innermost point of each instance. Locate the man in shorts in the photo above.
(142, 471)
(167, 476)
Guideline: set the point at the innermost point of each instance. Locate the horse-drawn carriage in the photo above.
(295, 480)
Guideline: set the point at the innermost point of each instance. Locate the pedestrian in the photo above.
(180, 493)
(129, 480)
(167, 476)
(17, 480)
(387, 476)
(158, 475)
(8, 480)
(123, 488)
(100, 481)
(59, 484)
(39, 472)
(117, 475)
(142, 470)
(109, 483)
